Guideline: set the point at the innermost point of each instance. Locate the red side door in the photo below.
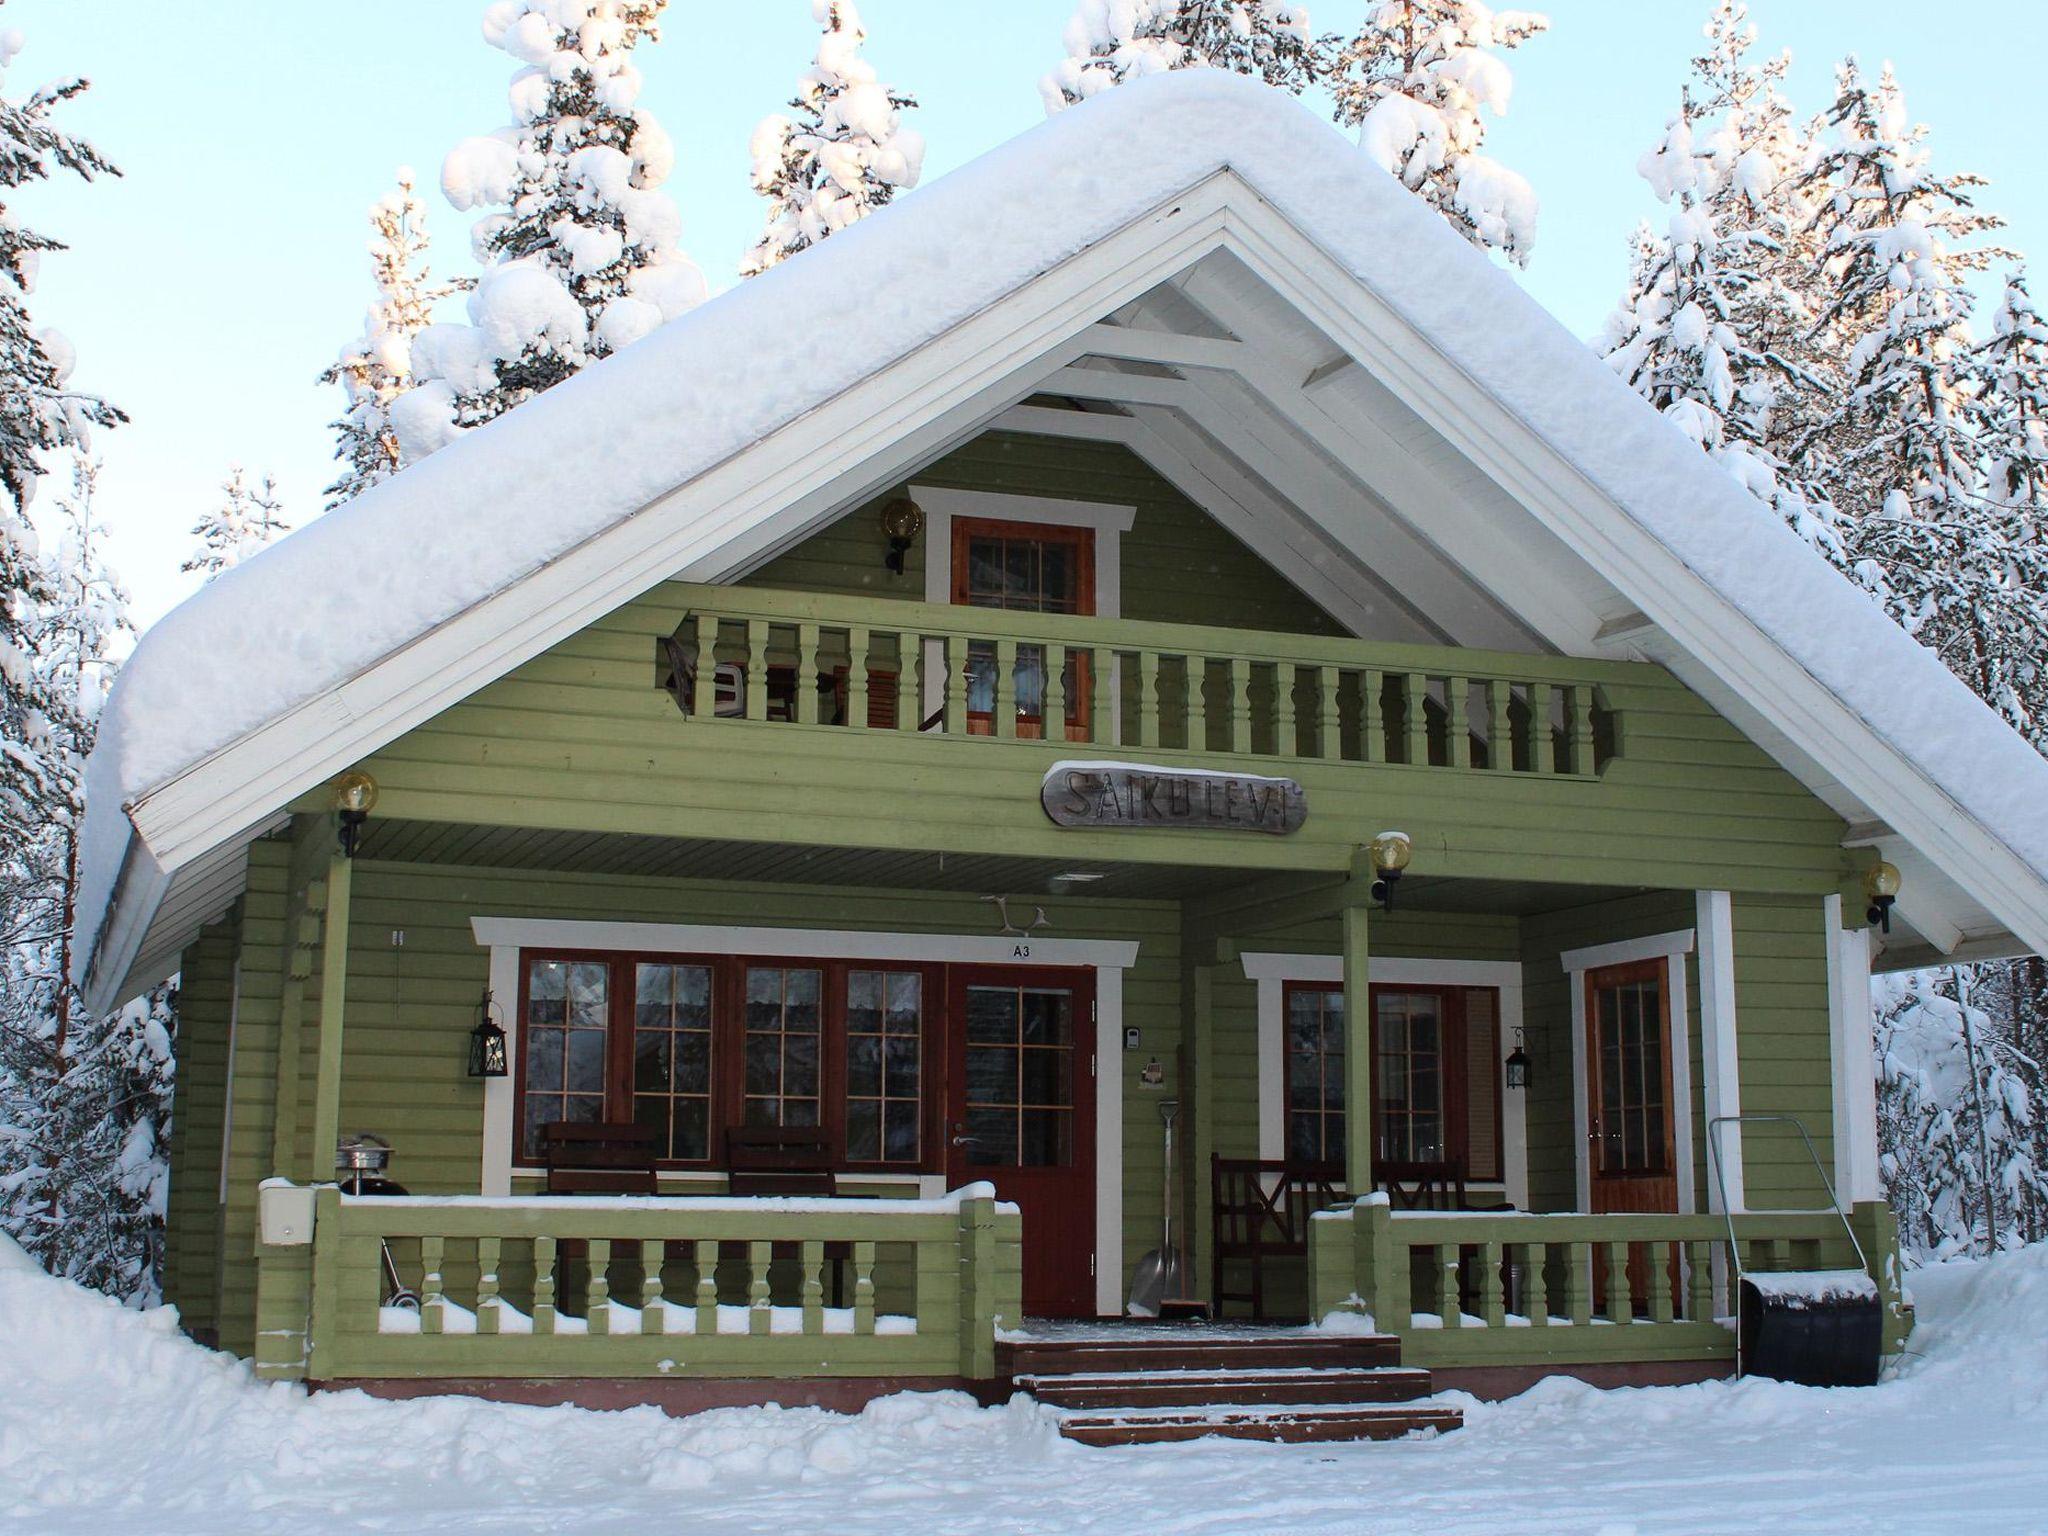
(1020, 1114)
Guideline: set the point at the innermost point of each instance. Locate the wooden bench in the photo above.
(787, 1160)
(601, 1159)
(1260, 1209)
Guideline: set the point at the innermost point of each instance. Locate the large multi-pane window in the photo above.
(693, 1046)
(1434, 1073)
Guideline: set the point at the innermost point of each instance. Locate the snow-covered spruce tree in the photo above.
(583, 255)
(375, 368)
(2013, 431)
(85, 1102)
(844, 154)
(1415, 81)
(1111, 41)
(37, 413)
(245, 521)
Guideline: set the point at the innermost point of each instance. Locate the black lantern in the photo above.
(487, 1042)
(902, 522)
(1517, 1064)
(1881, 884)
(1390, 854)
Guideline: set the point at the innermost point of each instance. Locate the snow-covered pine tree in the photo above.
(846, 152)
(85, 1102)
(2013, 364)
(1415, 81)
(375, 368)
(584, 257)
(1111, 41)
(1679, 336)
(245, 521)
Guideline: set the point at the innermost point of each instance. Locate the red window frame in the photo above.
(1454, 1068)
(728, 1035)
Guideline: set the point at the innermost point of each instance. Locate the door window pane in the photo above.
(1020, 1077)
(1408, 1075)
(1628, 1026)
(884, 1069)
(672, 1020)
(1315, 1074)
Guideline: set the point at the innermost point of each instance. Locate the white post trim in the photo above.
(1271, 970)
(1720, 1066)
(1852, 1057)
(505, 937)
(1671, 948)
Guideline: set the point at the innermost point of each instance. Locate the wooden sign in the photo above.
(1131, 795)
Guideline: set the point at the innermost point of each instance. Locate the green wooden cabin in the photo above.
(993, 748)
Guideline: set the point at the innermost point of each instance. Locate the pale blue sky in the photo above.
(208, 288)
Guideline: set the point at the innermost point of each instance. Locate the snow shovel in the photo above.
(1158, 1273)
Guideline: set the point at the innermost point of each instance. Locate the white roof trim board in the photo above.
(785, 397)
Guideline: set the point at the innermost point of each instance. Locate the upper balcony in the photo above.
(783, 658)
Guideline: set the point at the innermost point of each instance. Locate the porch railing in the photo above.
(866, 664)
(1552, 1289)
(539, 1287)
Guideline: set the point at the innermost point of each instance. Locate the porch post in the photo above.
(333, 987)
(1852, 1057)
(1358, 1100)
(1721, 1090)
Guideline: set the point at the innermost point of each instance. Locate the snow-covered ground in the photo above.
(111, 1423)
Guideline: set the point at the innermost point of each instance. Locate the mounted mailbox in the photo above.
(1137, 797)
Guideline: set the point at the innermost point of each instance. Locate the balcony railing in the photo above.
(1541, 1289)
(866, 664)
(572, 1287)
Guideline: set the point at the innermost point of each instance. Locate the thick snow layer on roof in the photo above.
(330, 600)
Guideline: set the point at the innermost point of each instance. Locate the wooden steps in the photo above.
(1296, 1387)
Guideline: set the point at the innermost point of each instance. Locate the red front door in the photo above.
(1020, 1114)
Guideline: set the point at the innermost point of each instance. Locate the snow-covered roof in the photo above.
(307, 642)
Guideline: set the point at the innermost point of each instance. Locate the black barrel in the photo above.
(1819, 1336)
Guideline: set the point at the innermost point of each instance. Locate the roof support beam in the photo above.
(1168, 349)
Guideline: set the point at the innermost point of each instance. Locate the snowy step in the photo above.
(1144, 1389)
(1196, 1351)
(1292, 1424)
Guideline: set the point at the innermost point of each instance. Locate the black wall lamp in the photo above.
(487, 1042)
(1517, 1064)
(902, 522)
(1391, 852)
(355, 796)
(1881, 883)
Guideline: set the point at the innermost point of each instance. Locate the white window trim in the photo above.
(1271, 970)
(942, 504)
(1671, 948)
(1851, 1057)
(505, 937)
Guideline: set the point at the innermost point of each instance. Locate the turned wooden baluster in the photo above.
(704, 692)
(1620, 1308)
(1105, 706)
(1700, 1309)
(543, 1285)
(864, 1288)
(1582, 728)
(1500, 735)
(1492, 1306)
(1003, 716)
(813, 1264)
(1578, 1283)
(1660, 1259)
(1447, 1284)
(432, 1301)
(1198, 703)
(1329, 722)
(857, 678)
(1458, 720)
(909, 695)
(1055, 693)
(1414, 697)
(487, 1308)
(757, 669)
(705, 1257)
(1372, 715)
(600, 1308)
(653, 1305)
(955, 721)
(1148, 698)
(1542, 747)
(807, 674)
(1240, 705)
(1536, 1284)
(1286, 738)
(759, 1319)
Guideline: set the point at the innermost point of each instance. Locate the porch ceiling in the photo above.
(619, 853)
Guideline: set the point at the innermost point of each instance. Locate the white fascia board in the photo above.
(701, 530)
(1687, 608)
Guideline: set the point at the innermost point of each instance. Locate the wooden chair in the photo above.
(1260, 1209)
(600, 1159)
